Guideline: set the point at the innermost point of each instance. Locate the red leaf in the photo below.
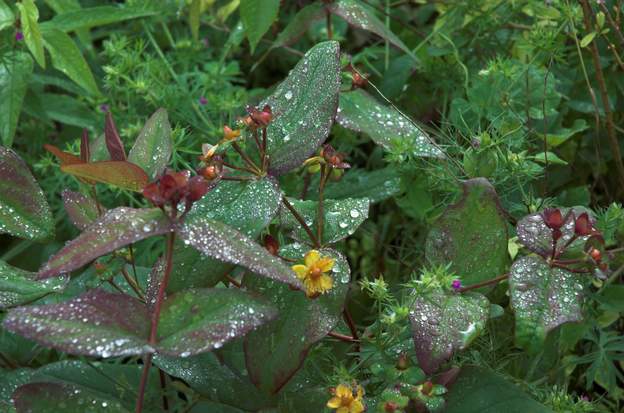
(64, 157)
(113, 141)
(123, 174)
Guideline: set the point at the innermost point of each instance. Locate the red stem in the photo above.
(155, 318)
(343, 337)
(484, 283)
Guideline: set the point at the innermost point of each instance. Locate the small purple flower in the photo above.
(19, 36)
(203, 100)
(456, 284)
(104, 108)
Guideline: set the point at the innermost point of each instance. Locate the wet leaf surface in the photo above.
(471, 234)
(117, 228)
(342, 217)
(97, 324)
(537, 237)
(121, 174)
(361, 17)
(81, 209)
(9, 382)
(377, 185)
(542, 298)
(154, 146)
(196, 321)
(304, 106)
(361, 112)
(19, 287)
(24, 211)
(443, 323)
(245, 206)
(275, 351)
(15, 72)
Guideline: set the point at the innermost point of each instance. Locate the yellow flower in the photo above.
(347, 399)
(314, 273)
(229, 134)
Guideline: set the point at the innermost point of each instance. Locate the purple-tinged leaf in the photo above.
(224, 243)
(443, 323)
(359, 16)
(20, 287)
(275, 351)
(9, 382)
(542, 297)
(537, 237)
(154, 146)
(65, 158)
(197, 321)
(471, 235)
(41, 397)
(113, 141)
(97, 323)
(24, 211)
(304, 106)
(82, 209)
(117, 228)
(122, 174)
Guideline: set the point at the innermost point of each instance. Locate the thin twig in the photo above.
(301, 221)
(246, 158)
(343, 337)
(233, 281)
(484, 283)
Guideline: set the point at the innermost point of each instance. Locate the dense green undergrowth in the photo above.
(305, 206)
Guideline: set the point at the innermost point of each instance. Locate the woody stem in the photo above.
(484, 283)
(155, 318)
(246, 158)
(301, 221)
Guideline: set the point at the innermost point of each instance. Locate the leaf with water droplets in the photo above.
(360, 112)
(245, 206)
(341, 218)
(275, 351)
(24, 211)
(359, 16)
(154, 146)
(61, 398)
(304, 106)
(82, 209)
(376, 185)
(537, 237)
(224, 243)
(16, 69)
(222, 385)
(471, 234)
(443, 323)
(97, 323)
(115, 229)
(20, 287)
(196, 321)
(122, 174)
(542, 297)
(9, 381)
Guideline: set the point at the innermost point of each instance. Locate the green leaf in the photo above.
(29, 15)
(66, 109)
(82, 210)
(245, 206)
(341, 218)
(443, 323)
(477, 390)
(24, 211)
(587, 39)
(15, 72)
(19, 287)
(257, 17)
(61, 398)
(360, 112)
(299, 24)
(95, 16)
(277, 350)
(471, 234)
(115, 229)
(543, 297)
(194, 15)
(551, 157)
(222, 385)
(154, 146)
(9, 382)
(97, 323)
(197, 321)
(304, 105)
(7, 18)
(67, 58)
(376, 185)
(361, 17)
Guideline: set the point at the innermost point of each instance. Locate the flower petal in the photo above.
(311, 257)
(325, 264)
(344, 391)
(342, 410)
(326, 283)
(334, 403)
(356, 406)
(301, 271)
